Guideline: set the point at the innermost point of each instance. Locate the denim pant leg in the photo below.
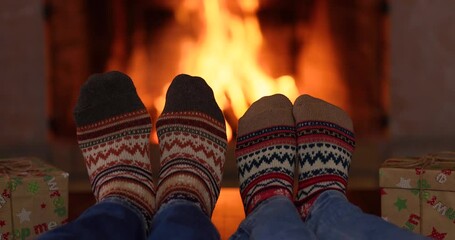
(111, 218)
(275, 218)
(182, 219)
(334, 217)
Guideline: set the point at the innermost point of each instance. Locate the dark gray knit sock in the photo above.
(192, 138)
(188, 93)
(105, 95)
(113, 130)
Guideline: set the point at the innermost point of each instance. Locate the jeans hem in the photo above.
(125, 203)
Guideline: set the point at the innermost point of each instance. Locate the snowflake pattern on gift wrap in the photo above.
(401, 204)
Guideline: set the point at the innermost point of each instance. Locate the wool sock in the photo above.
(325, 143)
(113, 129)
(265, 151)
(192, 138)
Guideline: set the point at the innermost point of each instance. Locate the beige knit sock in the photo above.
(325, 143)
(265, 151)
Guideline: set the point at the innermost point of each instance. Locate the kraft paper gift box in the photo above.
(33, 198)
(419, 194)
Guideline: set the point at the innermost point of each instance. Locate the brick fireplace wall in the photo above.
(422, 89)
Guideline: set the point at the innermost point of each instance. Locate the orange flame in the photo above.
(226, 56)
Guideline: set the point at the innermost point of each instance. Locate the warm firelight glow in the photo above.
(322, 69)
(225, 55)
(221, 41)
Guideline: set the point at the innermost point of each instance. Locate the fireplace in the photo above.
(335, 50)
(323, 45)
(244, 49)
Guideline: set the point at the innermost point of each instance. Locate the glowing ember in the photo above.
(225, 55)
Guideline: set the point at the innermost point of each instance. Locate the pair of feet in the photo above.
(113, 129)
(278, 139)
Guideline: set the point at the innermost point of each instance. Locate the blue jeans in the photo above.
(331, 217)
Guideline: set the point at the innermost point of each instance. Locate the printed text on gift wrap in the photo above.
(439, 206)
(59, 209)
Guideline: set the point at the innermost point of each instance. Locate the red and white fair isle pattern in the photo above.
(265, 160)
(324, 151)
(116, 153)
(193, 147)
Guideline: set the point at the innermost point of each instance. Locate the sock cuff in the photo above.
(145, 216)
(187, 187)
(252, 201)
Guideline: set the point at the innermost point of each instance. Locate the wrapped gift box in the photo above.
(419, 194)
(33, 198)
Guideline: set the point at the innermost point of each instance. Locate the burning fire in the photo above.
(225, 55)
(224, 47)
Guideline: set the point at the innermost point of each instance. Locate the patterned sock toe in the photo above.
(113, 129)
(265, 151)
(325, 143)
(192, 138)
